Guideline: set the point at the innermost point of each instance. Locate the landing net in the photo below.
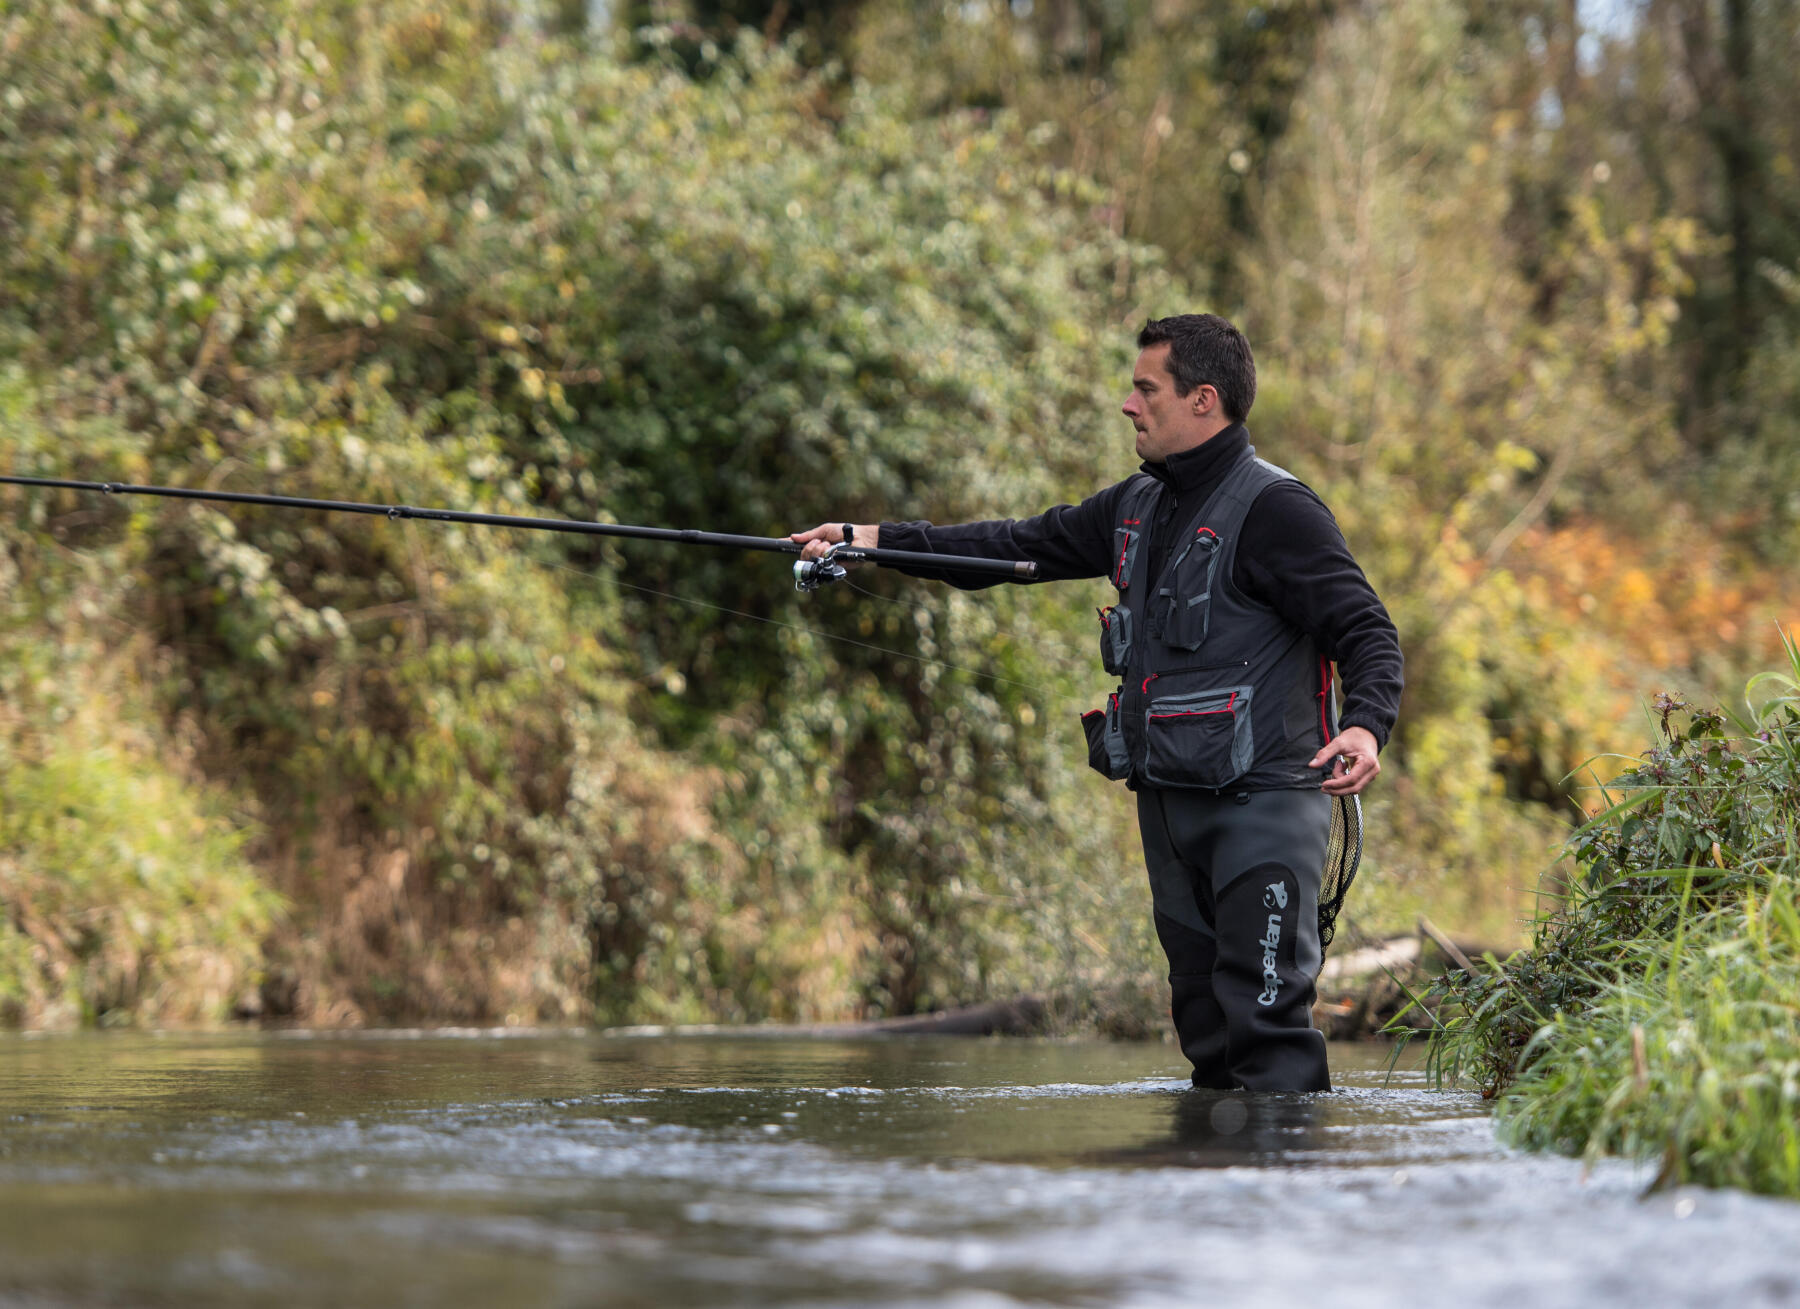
(1343, 852)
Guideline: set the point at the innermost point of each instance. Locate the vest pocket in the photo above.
(1203, 739)
(1125, 548)
(1115, 639)
(1186, 603)
(1105, 729)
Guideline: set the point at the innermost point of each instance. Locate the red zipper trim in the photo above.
(1119, 578)
(1198, 713)
(1324, 691)
(1148, 680)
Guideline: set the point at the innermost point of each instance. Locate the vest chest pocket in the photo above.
(1184, 606)
(1125, 548)
(1115, 639)
(1203, 739)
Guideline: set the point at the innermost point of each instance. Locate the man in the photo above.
(1236, 592)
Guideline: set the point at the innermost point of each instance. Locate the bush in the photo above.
(427, 253)
(125, 890)
(1658, 1010)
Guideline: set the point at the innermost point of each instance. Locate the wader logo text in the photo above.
(1275, 895)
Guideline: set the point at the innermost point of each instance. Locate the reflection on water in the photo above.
(1223, 1129)
(582, 1170)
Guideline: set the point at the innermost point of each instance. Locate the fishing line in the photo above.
(998, 631)
(875, 595)
(813, 631)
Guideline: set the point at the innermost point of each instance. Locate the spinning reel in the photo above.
(811, 574)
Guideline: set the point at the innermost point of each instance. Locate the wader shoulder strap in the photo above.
(1224, 511)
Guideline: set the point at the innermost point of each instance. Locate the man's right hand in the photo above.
(826, 535)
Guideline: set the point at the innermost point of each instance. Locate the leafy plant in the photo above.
(1658, 1009)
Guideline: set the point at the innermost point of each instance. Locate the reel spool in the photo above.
(811, 574)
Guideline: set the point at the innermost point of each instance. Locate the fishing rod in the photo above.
(809, 574)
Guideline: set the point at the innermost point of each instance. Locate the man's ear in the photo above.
(1205, 397)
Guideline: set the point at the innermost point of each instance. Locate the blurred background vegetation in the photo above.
(1523, 277)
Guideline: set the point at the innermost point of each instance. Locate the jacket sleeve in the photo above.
(1293, 558)
(1067, 541)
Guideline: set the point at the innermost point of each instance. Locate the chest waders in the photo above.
(1220, 706)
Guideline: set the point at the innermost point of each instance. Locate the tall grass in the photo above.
(1657, 1013)
(1691, 1053)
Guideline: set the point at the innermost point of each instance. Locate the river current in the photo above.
(574, 1169)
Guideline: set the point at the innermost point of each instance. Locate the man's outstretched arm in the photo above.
(1065, 542)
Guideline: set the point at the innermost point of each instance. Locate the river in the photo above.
(574, 1169)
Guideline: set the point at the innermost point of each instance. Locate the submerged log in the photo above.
(1398, 954)
(1024, 1016)
(1362, 991)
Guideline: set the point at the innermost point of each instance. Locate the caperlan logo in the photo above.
(1271, 978)
(1276, 896)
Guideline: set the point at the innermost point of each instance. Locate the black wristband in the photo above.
(849, 531)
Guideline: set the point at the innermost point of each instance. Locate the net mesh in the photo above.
(1343, 852)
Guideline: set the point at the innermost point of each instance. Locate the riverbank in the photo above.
(1657, 1013)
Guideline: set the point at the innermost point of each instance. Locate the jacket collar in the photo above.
(1204, 464)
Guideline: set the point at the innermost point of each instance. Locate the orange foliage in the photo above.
(1683, 602)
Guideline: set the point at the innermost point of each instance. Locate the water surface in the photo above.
(569, 1169)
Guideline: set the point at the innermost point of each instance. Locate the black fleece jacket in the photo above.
(1292, 557)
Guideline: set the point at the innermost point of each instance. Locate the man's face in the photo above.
(1166, 422)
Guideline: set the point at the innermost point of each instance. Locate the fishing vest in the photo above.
(1218, 691)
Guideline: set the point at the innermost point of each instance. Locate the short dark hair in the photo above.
(1204, 348)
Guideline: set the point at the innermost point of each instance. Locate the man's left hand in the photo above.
(1354, 759)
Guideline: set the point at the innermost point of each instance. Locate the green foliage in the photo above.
(1163, 116)
(1416, 389)
(128, 897)
(452, 254)
(1658, 1010)
(1692, 1057)
(125, 893)
(837, 319)
(409, 256)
